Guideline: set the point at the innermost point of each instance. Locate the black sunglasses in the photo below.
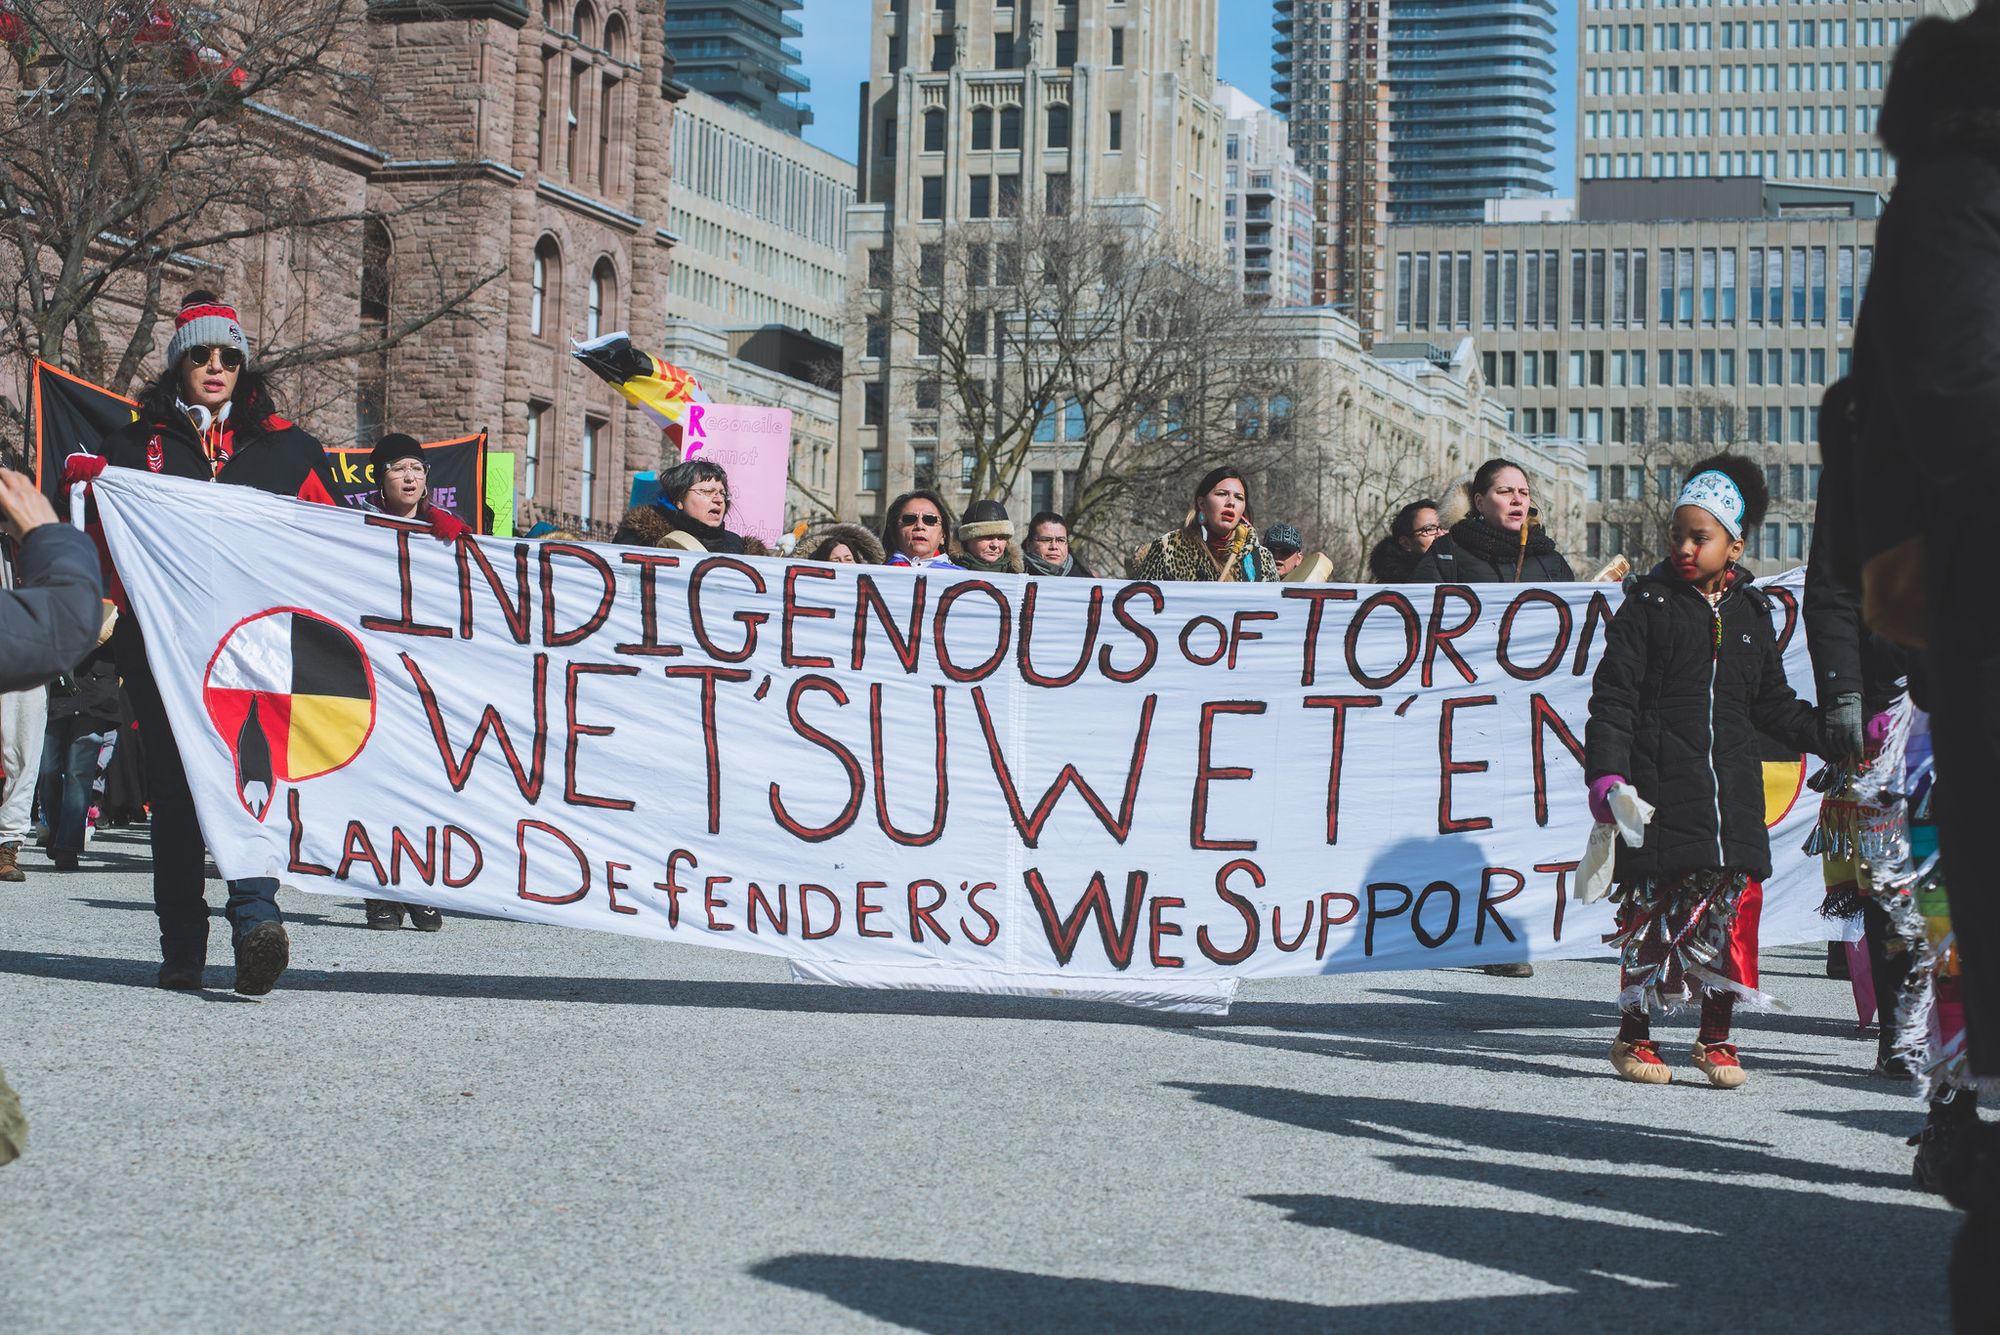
(232, 358)
(912, 521)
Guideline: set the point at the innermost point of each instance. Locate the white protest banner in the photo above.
(754, 446)
(891, 777)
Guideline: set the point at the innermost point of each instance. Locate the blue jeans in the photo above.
(69, 770)
(178, 847)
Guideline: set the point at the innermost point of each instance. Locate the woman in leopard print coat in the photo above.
(1217, 542)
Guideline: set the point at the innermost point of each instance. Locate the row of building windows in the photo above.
(825, 277)
(1048, 488)
(1055, 129)
(1595, 6)
(582, 129)
(593, 448)
(1713, 424)
(1616, 368)
(741, 304)
(1660, 80)
(733, 170)
(1733, 122)
(1697, 286)
(1760, 35)
(993, 196)
(1620, 482)
(1011, 50)
(545, 294)
(1791, 165)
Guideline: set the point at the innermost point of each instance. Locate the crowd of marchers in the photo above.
(1690, 677)
(1688, 700)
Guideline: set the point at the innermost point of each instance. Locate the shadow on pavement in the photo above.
(1899, 1122)
(800, 998)
(216, 911)
(1483, 1130)
(948, 1299)
(1499, 1009)
(1686, 1240)
(1396, 1047)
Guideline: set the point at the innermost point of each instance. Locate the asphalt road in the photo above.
(506, 1127)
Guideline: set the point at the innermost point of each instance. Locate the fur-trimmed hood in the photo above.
(651, 525)
(867, 548)
(1944, 88)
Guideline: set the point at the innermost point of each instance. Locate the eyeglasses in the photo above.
(200, 353)
(1430, 530)
(711, 491)
(406, 468)
(915, 520)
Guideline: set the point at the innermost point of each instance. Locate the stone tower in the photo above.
(561, 116)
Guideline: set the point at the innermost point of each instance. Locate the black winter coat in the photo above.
(272, 455)
(268, 453)
(89, 692)
(1678, 716)
(1927, 377)
(1452, 560)
(50, 617)
(1848, 658)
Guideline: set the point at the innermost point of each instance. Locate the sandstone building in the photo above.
(565, 115)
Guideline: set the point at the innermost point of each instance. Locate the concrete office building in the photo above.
(757, 295)
(1267, 207)
(761, 221)
(1789, 92)
(977, 113)
(1669, 316)
(736, 51)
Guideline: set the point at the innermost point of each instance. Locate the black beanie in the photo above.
(985, 519)
(392, 447)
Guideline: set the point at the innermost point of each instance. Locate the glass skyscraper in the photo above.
(1472, 99)
(736, 52)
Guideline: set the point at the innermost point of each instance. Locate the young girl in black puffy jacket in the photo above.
(1691, 674)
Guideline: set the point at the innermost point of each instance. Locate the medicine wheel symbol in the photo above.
(293, 696)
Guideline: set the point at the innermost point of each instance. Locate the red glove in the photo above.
(446, 526)
(81, 468)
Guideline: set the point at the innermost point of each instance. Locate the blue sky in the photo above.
(836, 51)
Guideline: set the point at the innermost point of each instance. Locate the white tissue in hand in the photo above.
(1630, 815)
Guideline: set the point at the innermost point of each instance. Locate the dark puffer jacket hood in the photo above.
(1944, 89)
(1680, 717)
(1391, 563)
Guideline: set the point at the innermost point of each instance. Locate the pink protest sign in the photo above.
(754, 446)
